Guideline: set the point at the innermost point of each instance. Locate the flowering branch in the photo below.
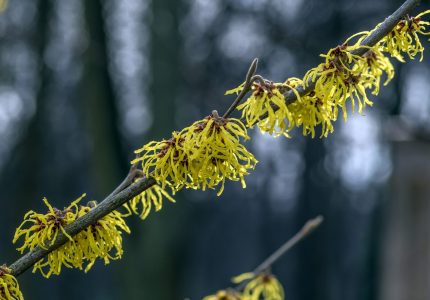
(130, 188)
(108, 205)
(371, 40)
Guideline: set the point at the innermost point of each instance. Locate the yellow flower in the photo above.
(224, 295)
(374, 65)
(67, 255)
(404, 38)
(354, 88)
(200, 156)
(338, 62)
(266, 107)
(9, 287)
(42, 229)
(142, 204)
(310, 111)
(166, 162)
(215, 152)
(262, 286)
(97, 240)
(102, 239)
(330, 75)
(236, 90)
(343, 76)
(3, 7)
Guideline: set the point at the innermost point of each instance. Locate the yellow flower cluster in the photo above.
(268, 100)
(201, 156)
(166, 161)
(101, 240)
(343, 77)
(404, 39)
(338, 79)
(310, 111)
(267, 108)
(142, 204)
(9, 287)
(263, 286)
(41, 230)
(96, 241)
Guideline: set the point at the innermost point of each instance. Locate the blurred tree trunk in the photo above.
(164, 59)
(314, 256)
(153, 272)
(159, 247)
(106, 164)
(107, 161)
(27, 167)
(405, 249)
(30, 152)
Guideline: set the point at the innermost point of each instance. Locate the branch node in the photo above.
(246, 88)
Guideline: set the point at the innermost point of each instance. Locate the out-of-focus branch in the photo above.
(127, 190)
(307, 229)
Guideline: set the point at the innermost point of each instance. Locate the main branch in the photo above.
(124, 193)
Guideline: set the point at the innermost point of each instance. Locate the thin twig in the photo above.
(307, 229)
(133, 174)
(122, 195)
(246, 88)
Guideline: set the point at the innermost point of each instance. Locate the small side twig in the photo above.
(246, 88)
(307, 229)
(133, 174)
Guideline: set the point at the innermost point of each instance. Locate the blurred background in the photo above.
(84, 83)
